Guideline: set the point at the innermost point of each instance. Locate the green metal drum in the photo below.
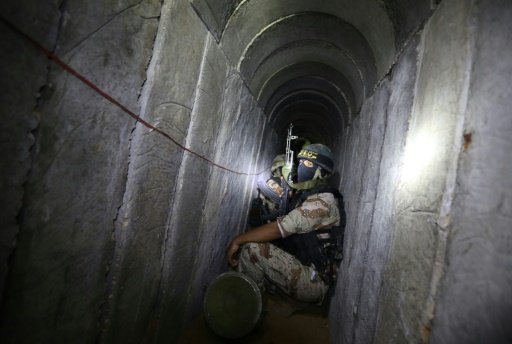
(232, 305)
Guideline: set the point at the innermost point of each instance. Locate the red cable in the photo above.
(105, 95)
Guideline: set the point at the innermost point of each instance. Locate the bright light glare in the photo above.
(419, 153)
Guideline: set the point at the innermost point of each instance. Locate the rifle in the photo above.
(285, 183)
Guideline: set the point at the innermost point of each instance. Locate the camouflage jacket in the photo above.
(318, 211)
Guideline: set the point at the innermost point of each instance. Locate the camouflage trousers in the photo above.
(270, 266)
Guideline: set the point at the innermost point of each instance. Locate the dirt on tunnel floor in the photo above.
(283, 321)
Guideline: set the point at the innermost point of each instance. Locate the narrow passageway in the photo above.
(134, 133)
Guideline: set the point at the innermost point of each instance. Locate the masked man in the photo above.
(310, 235)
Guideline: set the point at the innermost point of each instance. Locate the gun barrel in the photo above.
(283, 207)
(289, 151)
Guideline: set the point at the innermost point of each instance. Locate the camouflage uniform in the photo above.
(267, 264)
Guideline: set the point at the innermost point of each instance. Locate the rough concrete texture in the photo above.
(475, 303)
(114, 215)
(396, 238)
(400, 88)
(367, 16)
(331, 82)
(226, 193)
(384, 24)
(141, 227)
(362, 179)
(185, 224)
(311, 58)
(301, 38)
(57, 278)
(24, 76)
(425, 188)
(123, 207)
(215, 14)
(369, 185)
(407, 16)
(171, 214)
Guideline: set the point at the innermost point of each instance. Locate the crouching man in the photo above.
(300, 252)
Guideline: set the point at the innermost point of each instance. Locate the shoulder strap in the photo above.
(304, 194)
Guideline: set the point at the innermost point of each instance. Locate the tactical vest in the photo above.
(322, 248)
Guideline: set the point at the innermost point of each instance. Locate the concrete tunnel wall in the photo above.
(111, 232)
(114, 214)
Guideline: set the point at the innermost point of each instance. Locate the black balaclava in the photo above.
(305, 173)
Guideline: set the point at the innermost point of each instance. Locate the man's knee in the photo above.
(255, 253)
(249, 251)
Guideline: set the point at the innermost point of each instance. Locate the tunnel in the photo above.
(134, 132)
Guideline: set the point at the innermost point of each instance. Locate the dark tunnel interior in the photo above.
(134, 133)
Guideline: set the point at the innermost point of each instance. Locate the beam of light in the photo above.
(419, 153)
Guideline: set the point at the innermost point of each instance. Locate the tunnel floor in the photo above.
(283, 321)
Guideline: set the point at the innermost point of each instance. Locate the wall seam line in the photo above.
(111, 272)
(443, 222)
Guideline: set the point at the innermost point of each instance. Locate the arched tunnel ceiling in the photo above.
(313, 114)
(305, 57)
(251, 18)
(309, 60)
(310, 37)
(297, 81)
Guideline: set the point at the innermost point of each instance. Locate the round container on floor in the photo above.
(232, 305)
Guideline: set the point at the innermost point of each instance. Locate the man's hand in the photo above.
(231, 252)
(264, 233)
